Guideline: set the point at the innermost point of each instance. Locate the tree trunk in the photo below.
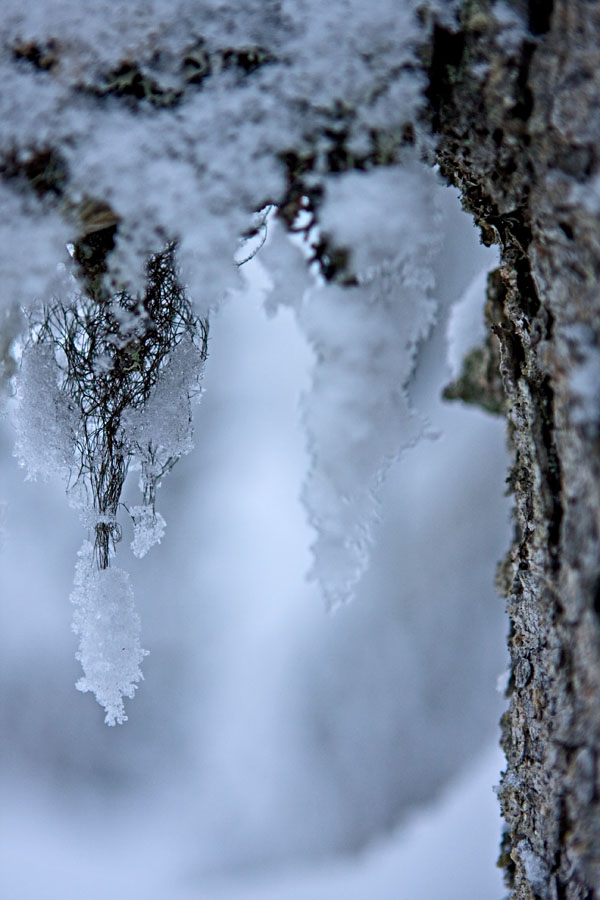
(517, 111)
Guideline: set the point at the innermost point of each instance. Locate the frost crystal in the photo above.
(148, 529)
(45, 419)
(109, 634)
(106, 382)
(357, 415)
(161, 430)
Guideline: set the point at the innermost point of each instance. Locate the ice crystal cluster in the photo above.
(105, 386)
(133, 127)
(108, 627)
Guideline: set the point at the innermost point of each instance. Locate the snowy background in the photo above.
(273, 750)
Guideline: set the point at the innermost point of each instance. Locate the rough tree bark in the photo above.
(518, 119)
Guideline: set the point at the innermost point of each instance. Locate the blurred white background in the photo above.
(273, 751)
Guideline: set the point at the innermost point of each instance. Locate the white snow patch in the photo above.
(536, 869)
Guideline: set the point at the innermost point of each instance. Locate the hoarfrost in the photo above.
(386, 218)
(357, 415)
(148, 529)
(162, 429)
(502, 682)
(45, 421)
(105, 385)
(536, 869)
(157, 110)
(358, 419)
(108, 628)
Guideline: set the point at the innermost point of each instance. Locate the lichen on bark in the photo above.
(513, 98)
